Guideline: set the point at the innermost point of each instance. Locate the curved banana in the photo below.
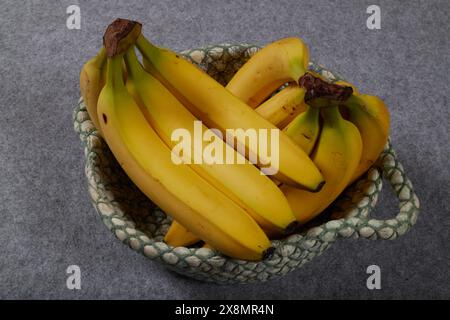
(371, 116)
(277, 63)
(218, 108)
(305, 128)
(337, 155)
(263, 200)
(92, 80)
(283, 106)
(179, 236)
(177, 189)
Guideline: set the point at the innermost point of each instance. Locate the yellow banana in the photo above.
(279, 62)
(92, 80)
(304, 129)
(263, 200)
(371, 116)
(218, 108)
(283, 106)
(177, 189)
(179, 236)
(337, 155)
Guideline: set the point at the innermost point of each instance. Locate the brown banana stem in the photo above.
(317, 88)
(120, 35)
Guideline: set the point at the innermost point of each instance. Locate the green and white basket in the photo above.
(137, 222)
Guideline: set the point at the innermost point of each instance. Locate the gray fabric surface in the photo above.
(48, 222)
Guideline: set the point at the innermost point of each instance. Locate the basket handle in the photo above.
(369, 228)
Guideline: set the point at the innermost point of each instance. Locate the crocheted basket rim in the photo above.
(137, 222)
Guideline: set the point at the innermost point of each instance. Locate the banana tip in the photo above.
(319, 187)
(291, 228)
(268, 253)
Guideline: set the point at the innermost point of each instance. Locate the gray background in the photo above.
(48, 223)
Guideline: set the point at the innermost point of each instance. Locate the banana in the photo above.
(279, 62)
(337, 155)
(371, 117)
(92, 80)
(218, 108)
(177, 189)
(179, 236)
(304, 129)
(283, 106)
(263, 200)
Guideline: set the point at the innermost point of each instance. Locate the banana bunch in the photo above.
(327, 136)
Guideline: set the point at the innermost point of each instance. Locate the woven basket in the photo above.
(137, 222)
